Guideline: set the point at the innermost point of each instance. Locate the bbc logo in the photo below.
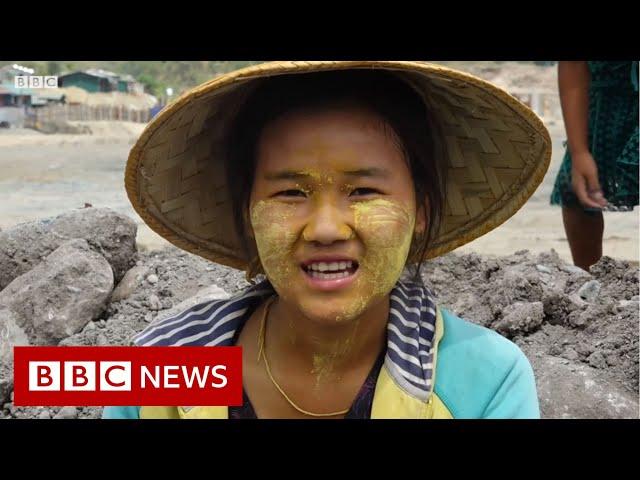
(35, 81)
(99, 376)
(79, 376)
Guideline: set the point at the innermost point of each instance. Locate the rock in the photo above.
(577, 303)
(550, 257)
(42, 305)
(154, 302)
(571, 354)
(581, 312)
(10, 335)
(589, 291)
(558, 306)
(573, 270)
(6, 382)
(165, 292)
(512, 287)
(622, 304)
(607, 269)
(131, 280)
(152, 279)
(67, 412)
(521, 317)
(577, 319)
(584, 349)
(543, 269)
(597, 360)
(464, 302)
(101, 340)
(44, 415)
(555, 350)
(208, 294)
(612, 360)
(107, 232)
(578, 391)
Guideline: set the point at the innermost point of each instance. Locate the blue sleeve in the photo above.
(130, 413)
(516, 396)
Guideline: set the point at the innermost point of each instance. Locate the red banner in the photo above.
(135, 376)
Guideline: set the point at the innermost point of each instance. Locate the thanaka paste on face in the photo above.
(383, 227)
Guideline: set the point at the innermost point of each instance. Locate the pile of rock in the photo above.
(56, 276)
(579, 329)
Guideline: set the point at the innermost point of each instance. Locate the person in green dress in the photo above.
(600, 168)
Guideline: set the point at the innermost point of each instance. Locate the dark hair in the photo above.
(384, 93)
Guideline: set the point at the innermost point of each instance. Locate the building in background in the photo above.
(101, 81)
(14, 97)
(93, 80)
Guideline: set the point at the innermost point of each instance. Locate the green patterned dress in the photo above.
(613, 136)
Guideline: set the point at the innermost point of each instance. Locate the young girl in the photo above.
(330, 179)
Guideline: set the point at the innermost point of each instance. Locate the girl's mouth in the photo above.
(329, 274)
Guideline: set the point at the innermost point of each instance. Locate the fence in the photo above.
(62, 113)
(12, 117)
(545, 104)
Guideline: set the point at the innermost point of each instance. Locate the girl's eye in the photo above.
(291, 193)
(359, 192)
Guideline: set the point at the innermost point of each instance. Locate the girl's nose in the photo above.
(327, 224)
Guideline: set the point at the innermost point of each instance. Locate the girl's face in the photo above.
(332, 210)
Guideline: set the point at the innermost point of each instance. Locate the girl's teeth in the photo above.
(330, 267)
(328, 276)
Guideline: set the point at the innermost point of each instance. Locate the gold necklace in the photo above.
(261, 353)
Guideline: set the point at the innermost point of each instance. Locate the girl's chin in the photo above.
(323, 312)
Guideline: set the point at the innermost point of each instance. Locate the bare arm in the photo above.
(573, 82)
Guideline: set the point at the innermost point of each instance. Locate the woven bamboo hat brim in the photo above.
(497, 152)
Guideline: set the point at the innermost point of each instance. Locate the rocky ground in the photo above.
(578, 329)
(78, 279)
